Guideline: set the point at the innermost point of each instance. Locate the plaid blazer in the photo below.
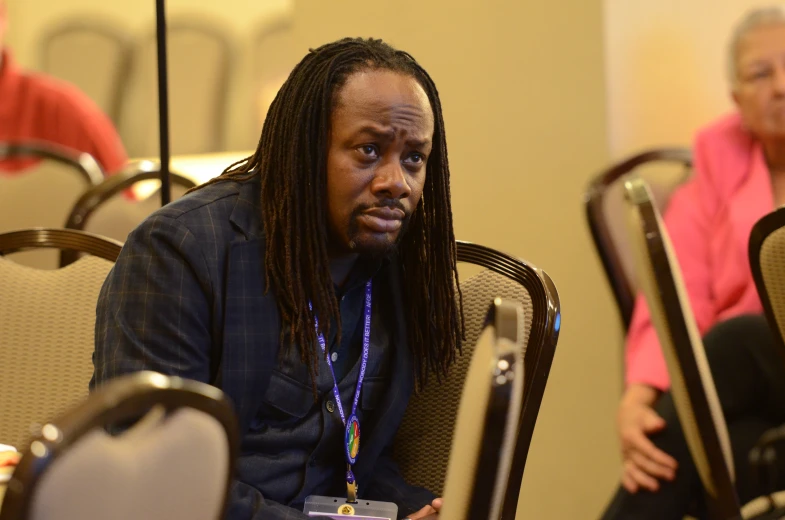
(187, 298)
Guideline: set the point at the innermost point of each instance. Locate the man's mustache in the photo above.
(384, 203)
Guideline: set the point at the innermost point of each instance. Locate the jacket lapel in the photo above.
(753, 199)
(251, 319)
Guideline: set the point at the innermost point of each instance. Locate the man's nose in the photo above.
(390, 181)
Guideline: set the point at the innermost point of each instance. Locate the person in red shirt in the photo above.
(34, 107)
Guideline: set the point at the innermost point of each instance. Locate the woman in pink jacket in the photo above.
(739, 177)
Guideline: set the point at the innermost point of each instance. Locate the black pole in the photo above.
(163, 101)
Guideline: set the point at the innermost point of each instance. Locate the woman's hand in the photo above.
(643, 462)
(430, 512)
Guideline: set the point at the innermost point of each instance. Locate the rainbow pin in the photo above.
(352, 439)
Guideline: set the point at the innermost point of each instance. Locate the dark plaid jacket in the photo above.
(187, 298)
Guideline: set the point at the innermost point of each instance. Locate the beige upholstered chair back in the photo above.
(47, 322)
(106, 209)
(200, 56)
(692, 385)
(119, 216)
(664, 171)
(40, 196)
(767, 261)
(772, 267)
(175, 460)
(94, 54)
(421, 447)
(486, 429)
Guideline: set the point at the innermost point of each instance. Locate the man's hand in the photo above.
(430, 512)
(643, 462)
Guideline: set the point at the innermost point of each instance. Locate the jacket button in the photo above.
(330, 406)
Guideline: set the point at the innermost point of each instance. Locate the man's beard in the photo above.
(375, 248)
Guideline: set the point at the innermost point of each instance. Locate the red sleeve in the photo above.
(104, 143)
(688, 222)
(77, 122)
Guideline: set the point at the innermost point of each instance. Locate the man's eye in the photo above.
(416, 158)
(369, 150)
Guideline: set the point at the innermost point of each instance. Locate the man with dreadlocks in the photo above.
(314, 282)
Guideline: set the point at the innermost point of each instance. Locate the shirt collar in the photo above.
(363, 270)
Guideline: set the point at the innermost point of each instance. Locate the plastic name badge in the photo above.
(339, 508)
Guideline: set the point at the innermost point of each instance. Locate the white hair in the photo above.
(753, 19)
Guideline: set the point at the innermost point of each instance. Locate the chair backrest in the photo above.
(692, 385)
(422, 451)
(275, 52)
(767, 261)
(43, 184)
(93, 53)
(665, 170)
(486, 429)
(105, 211)
(175, 462)
(47, 327)
(201, 54)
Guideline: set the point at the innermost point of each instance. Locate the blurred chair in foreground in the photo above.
(93, 53)
(201, 56)
(485, 438)
(665, 170)
(104, 210)
(692, 384)
(176, 461)
(41, 195)
(47, 322)
(421, 447)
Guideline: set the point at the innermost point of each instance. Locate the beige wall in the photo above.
(522, 84)
(666, 68)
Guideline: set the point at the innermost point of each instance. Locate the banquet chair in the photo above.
(767, 261)
(39, 182)
(275, 51)
(105, 211)
(486, 430)
(692, 385)
(47, 321)
(201, 54)
(665, 170)
(421, 448)
(92, 52)
(170, 454)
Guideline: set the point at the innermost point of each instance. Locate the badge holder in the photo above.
(340, 508)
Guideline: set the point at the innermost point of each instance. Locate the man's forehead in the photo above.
(390, 105)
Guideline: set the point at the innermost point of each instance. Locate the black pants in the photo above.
(749, 375)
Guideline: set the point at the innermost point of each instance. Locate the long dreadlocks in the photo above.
(291, 161)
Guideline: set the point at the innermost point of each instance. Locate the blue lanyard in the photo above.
(352, 424)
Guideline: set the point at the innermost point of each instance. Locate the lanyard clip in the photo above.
(351, 487)
(351, 492)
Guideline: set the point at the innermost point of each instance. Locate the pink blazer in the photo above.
(709, 220)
